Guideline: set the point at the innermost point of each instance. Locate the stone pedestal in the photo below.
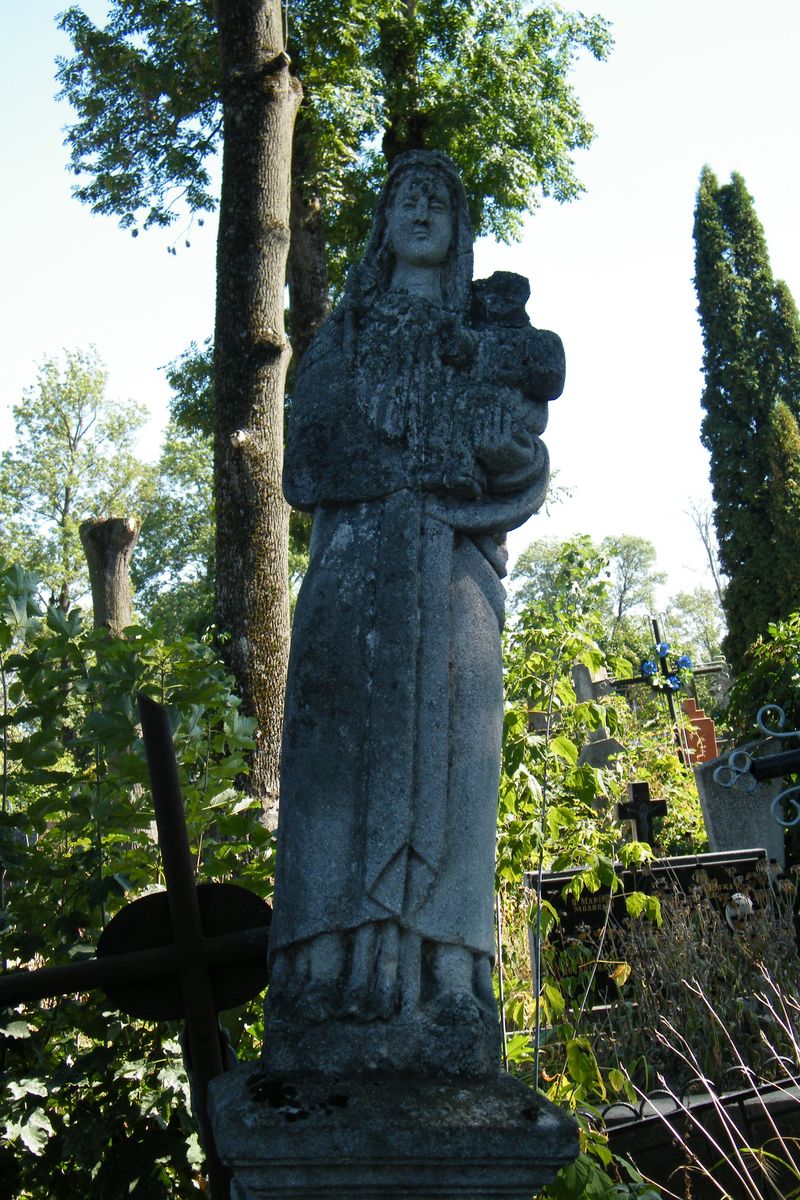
(386, 1138)
(464, 1041)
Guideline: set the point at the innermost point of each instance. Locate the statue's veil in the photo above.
(372, 276)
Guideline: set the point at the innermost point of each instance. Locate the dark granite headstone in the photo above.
(720, 875)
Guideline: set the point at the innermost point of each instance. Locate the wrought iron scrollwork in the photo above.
(761, 722)
(737, 770)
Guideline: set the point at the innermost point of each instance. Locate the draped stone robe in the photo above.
(394, 706)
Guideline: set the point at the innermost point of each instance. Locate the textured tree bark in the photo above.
(307, 267)
(108, 544)
(260, 101)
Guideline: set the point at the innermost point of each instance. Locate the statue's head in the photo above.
(421, 219)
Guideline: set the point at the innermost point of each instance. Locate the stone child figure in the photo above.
(414, 440)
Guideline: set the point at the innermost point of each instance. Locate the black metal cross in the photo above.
(640, 810)
(189, 952)
(665, 669)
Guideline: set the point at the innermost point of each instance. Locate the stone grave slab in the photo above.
(733, 815)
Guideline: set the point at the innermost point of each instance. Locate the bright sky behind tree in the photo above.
(690, 82)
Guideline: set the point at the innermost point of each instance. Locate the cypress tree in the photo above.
(751, 363)
(784, 453)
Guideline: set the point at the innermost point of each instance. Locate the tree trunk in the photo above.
(260, 101)
(307, 267)
(108, 545)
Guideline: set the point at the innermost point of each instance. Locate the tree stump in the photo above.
(108, 544)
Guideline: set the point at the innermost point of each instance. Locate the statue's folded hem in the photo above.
(388, 1136)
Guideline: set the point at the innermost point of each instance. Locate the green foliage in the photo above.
(73, 459)
(597, 1174)
(94, 1103)
(144, 88)
(556, 811)
(191, 377)
(551, 574)
(546, 727)
(771, 676)
(487, 82)
(633, 579)
(783, 449)
(696, 623)
(621, 572)
(623, 576)
(173, 568)
(751, 334)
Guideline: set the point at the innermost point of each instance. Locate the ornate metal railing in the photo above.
(744, 770)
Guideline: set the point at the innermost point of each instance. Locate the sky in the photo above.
(688, 83)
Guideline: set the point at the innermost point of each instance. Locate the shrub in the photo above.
(92, 1101)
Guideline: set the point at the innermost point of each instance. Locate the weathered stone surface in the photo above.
(591, 686)
(387, 1137)
(455, 1038)
(599, 751)
(736, 819)
(414, 440)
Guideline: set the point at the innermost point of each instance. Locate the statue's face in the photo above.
(420, 220)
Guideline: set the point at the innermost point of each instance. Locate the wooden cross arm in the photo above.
(135, 966)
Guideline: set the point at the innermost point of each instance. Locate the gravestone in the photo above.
(592, 686)
(739, 816)
(700, 733)
(414, 441)
(721, 877)
(639, 812)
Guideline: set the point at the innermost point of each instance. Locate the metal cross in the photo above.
(210, 941)
(640, 810)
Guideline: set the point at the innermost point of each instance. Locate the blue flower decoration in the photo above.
(673, 683)
(684, 663)
(662, 649)
(649, 667)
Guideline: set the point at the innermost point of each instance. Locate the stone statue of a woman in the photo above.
(414, 440)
